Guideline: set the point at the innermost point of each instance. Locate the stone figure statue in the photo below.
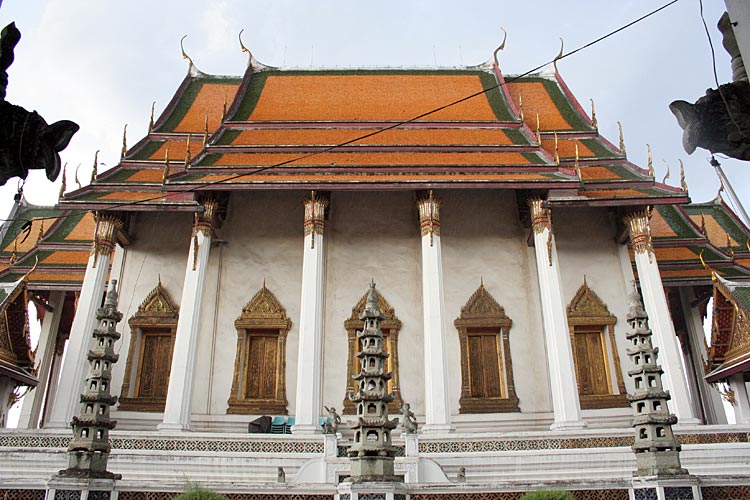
(280, 475)
(26, 140)
(461, 476)
(334, 419)
(408, 420)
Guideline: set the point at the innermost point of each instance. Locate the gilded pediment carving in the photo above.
(157, 307)
(586, 304)
(264, 307)
(481, 308)
(385, 307)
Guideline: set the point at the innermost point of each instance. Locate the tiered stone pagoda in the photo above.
(371, 454)
(656, 451)
(89, 449)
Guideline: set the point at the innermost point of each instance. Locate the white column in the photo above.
(710, 399)
(741, 404)
(179, 402)
(437, 404)
(562, 374)
(308, 402)
(75, 365)
(45, 353)
(655, 301)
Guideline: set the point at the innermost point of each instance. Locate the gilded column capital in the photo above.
(105, 234)
(640, 232)
(206, 220)
(315, 212)
(540, 216)
(429, 216)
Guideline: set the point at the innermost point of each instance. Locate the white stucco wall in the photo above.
(482, 238)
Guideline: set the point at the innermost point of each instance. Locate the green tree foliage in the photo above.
(547, 495)
(197, 492)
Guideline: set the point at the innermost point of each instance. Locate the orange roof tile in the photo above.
(659, 227)
(380, 159)
(130, 196)
(598, 174)
(67, 257)
(619, 193)
(24, 245)
(566, 148)
(370, 97)
(717, 235)
(147, 175)
(536, 100)
(685, 273)
(374, 177)
(54, 277)
(390, 137)
(84, 230)
(177, 149)
(210, 97)
(678, 253)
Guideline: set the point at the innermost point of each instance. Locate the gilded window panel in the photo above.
(390, 326)
(152, 333)
(592, 338)
(487, 384)
(259, 381)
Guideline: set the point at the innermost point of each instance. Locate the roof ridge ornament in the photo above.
(192, 69)
(93, 172)
(594, 123)
(537, 132)
(252, 62)
(622, 141)
(683, 183)
(666, 176)
(651, 171)
(559, 55)
(151, 121)
(63, 185)
(500, 47)
(557, 151)
(124, 142)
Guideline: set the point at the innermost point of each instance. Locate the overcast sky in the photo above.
(102, 63)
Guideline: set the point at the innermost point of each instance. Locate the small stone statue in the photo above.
(461, 476)
(280, 475)
(408, 420)
(334, 419)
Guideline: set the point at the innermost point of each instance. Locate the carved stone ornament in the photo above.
(259, 382)
(429, 216)
(315, 210)
(105, 234)
(730, 335)
(390, 326)
(589, 315)
(486, 368)
(540, 219)
(26, 140)
(156, 316)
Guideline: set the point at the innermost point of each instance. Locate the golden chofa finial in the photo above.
(577, 166)
(165, 174)
(124, 142)
(205, 130)
(559, 55)
(93, 171)
(63, 185)
(187, 151)
(151, 121)
(594, 123)
(537, 132)
(650, 165)
(666, 176)
(184, 54)
(41, 230)
(224, 109)
(501, 47)
(622, 141)
(683, 183)
(703, 225)
(557, 151)
(245, 49)
(520, 105)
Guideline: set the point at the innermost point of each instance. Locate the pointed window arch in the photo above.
(592, 337)
(152, 332)
(390, 327)
(486, 368)
(259, 382)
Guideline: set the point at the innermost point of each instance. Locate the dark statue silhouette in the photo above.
(26, 140)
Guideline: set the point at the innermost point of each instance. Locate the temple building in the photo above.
(504, 234)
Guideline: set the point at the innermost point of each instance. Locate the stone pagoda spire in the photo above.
(656, 451)
(89, 449)
(372, 455)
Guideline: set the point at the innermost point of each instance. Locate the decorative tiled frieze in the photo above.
(515, 495)
(22, 494)
(372, 496)
(214, 445)
(600, 494)
(568, 443)
(678, 493)
(146, 495)
(67, 495)
(725, 492)
(343, 451)
(645, 494)
(100, 495)
(163, 495)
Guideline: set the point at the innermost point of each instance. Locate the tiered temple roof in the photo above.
(284, 129)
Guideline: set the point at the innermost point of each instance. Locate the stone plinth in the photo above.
(372, 491)
(659, 488)
(69, 488)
